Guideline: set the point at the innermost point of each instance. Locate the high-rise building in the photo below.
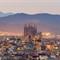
(30, 30)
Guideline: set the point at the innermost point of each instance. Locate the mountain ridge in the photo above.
(46, 22)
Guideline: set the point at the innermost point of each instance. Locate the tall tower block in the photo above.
(30, 29)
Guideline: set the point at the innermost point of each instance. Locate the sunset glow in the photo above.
(10, 33)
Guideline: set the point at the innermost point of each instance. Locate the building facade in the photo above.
(30, 30)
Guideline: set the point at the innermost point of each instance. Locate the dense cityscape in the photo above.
(32, 45)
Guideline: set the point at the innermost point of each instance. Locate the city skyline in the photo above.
(29, 29)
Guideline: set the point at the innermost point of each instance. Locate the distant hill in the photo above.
(2, 14)
(44, 21)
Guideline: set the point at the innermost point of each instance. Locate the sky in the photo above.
(30, 6)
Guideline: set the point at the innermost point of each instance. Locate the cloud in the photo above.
(30, 6)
